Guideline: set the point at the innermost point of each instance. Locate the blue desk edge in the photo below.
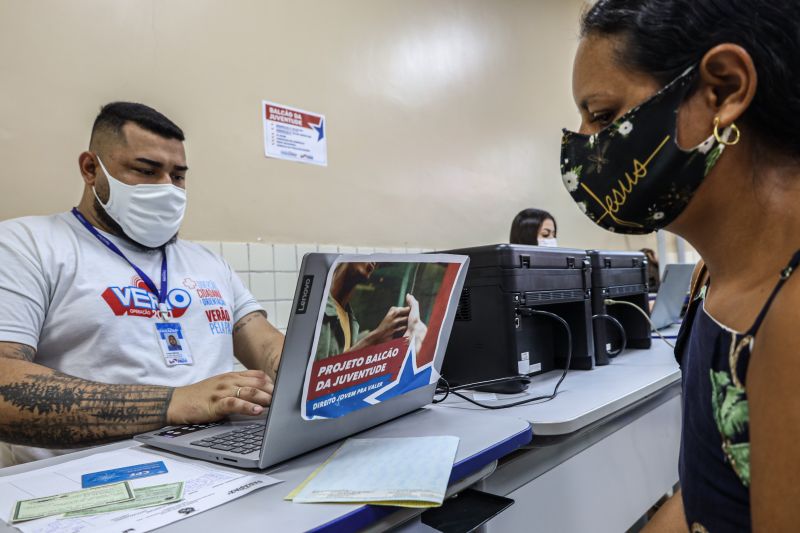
(369, 514)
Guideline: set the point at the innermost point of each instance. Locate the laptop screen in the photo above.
(671, 294)
(377, 334)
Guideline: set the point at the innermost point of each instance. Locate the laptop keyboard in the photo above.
(241, 440)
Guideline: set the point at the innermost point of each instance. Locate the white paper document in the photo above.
(205, 487)
(294, 134)
(408, 472)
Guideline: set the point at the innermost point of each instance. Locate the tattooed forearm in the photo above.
(21, 352)
(57, 410)
(247, 318)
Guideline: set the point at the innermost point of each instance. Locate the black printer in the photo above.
(620, 276)
(495, 335)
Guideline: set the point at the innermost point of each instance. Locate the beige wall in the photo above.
(444, 116)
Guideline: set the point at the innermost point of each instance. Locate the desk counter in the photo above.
(485, 438)
(587, 396)
(604, 450)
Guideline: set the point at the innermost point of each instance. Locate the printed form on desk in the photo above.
(205, 486)
(404, 472)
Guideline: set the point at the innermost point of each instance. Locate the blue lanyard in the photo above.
(161, 293)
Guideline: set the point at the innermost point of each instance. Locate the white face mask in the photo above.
(547, 242)
(149, 214)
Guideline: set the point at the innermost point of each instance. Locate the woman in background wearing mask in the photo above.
(689, 112)
(535, 227)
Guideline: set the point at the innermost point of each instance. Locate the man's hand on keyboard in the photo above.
(244, 393)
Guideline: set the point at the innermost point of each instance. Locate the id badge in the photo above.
(173, 344)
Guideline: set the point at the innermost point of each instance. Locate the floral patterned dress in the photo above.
(715, 444)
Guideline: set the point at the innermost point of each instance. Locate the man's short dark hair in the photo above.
(115, 115)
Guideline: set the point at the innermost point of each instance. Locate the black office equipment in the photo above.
(495, 334)
(466, 511)
(619, 276)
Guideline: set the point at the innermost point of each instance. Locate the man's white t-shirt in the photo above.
(89, 315)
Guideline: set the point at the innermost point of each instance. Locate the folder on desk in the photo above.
(403, 472)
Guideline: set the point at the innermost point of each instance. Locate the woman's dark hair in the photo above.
(653, 277)
(526, 225)
(665, 37)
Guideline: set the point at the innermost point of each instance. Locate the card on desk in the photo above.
(158, 499)
(144, 497)
(126, 473)
(71, 501)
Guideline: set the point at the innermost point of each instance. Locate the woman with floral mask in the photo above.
(688, 122)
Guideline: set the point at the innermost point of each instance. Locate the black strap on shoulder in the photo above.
(785, 275)
(699, 284)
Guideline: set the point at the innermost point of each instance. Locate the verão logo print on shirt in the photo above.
(216, 310)
(137, 300)
(219, 321)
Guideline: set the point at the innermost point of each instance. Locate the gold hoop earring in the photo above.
(737, 135)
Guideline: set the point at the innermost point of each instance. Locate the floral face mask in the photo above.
(632, 177)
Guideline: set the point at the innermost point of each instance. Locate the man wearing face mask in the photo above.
(92, 297)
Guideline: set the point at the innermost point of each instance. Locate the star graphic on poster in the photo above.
(410, 378)
(320, 129)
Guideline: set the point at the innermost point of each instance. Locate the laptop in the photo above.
(671, 295)
(342, 370)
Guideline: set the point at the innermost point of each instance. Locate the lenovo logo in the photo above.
(305, 292)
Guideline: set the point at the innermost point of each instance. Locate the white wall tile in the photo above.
(414, 250)
(262, 285)
(269, 307)
(245, 277)
(261, 257)
(347, 250)
(328, 248)
(398, 250)
(213, 246)
(285, 284)
(235, 253)
(285, 257)
(383, 250)
(365, 250)
(282, 312)
(303, 249)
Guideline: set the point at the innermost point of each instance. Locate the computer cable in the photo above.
(443, 390)
(644, 314)
(447, 389)
(621, 332)
(475, 384)
(523, 312)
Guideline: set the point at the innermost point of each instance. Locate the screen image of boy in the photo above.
(377, 334)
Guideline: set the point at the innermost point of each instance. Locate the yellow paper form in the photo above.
(403, 472)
